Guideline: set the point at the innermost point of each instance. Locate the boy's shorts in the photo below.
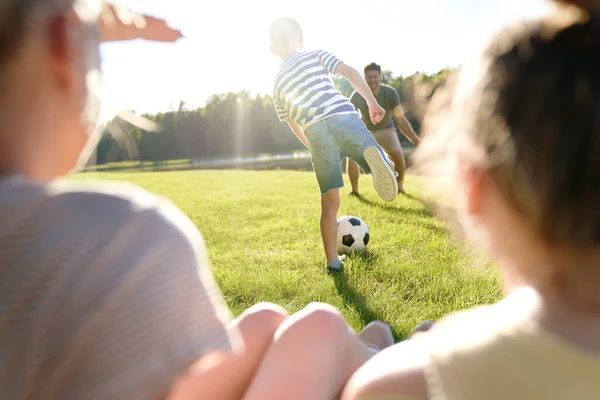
(333, 138)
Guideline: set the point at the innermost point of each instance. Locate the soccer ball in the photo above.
(353, 235)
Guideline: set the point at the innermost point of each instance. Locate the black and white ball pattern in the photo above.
(353, 235)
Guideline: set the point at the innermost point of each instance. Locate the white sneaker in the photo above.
(336, 265)
(377, 336)
(384, 178)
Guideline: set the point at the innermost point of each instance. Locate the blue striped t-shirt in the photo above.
(304, 91)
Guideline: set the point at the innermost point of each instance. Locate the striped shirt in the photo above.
(304, 91)
(104, 294)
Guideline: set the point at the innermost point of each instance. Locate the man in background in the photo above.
(384, 132)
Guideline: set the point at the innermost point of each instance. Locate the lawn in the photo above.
(262, 233)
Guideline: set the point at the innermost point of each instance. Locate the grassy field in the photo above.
(262, 233)
(112, 166)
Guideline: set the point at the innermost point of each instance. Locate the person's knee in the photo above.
(331, 207)
(318, 322)
(330, 201)
(261, 321)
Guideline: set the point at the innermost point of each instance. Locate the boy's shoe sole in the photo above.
(384, 178)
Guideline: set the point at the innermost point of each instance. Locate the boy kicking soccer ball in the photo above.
(327, 123)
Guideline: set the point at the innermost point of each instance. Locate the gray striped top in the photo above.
(304, 91)
(104, 294)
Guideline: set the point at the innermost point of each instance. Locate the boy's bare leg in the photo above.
(397, 158)
(353, 174)
(313, 355)
(330, 203)
(227, 376)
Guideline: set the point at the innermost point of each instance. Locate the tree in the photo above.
(343, 85)
(238, 124)
(386, 76)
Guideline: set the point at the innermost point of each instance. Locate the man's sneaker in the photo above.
(384, 178)
(377, 336)
(336, 265)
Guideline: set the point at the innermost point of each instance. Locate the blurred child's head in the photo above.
(286, 37)
(520, 132)
(49, 74)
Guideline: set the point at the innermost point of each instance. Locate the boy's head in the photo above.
(373, 75)
(521, 129)
(286, 37)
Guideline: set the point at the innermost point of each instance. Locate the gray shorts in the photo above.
(388, 139)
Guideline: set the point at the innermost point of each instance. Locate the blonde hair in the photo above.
(283, 31)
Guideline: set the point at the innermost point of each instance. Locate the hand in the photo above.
(119, 23)
(376, 113)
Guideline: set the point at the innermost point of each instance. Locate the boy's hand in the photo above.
(376, 112)
(299, 132)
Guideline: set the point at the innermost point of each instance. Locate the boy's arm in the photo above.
(357, 81)
(299, 132)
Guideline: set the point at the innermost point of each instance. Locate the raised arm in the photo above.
(119, 23)
(358, 82)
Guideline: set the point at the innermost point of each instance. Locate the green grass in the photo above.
(117, 165)
(262, 233)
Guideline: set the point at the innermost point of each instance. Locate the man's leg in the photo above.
(330, 203)
(353, 174)
(313, 354)
(397, 158)
(228, 376)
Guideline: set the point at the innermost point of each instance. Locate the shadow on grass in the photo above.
(366, 256)
(426, 212)
(354, 300)
(429, 210)
(396, 209)
(435, 228)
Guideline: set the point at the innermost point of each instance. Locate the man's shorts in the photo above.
(333, 138)
(388, 139)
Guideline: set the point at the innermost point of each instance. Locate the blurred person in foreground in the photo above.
(105, 290)
(518, 144)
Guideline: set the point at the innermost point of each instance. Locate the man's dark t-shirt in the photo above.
(387, 98)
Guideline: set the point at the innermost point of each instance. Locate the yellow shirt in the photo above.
(497, 353)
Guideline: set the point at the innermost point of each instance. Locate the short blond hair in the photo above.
(285, 30)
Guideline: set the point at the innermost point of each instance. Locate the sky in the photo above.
(227, 43)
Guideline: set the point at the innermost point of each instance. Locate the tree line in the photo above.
(236, 124)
